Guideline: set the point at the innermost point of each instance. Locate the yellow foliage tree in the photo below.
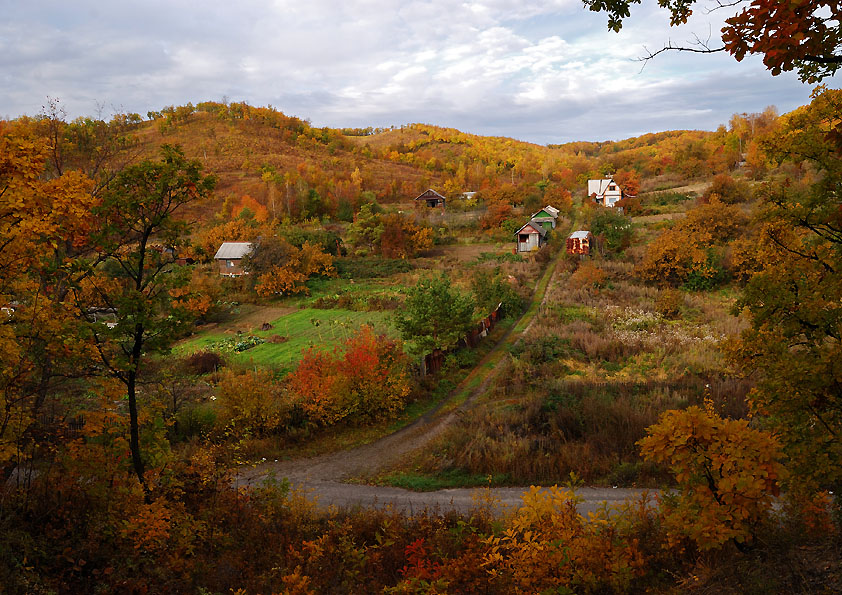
(547, 545)
(727, 475)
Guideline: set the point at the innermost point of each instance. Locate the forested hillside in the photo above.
(298, 171)
(694, 347)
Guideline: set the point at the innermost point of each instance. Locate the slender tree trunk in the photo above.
(131, 392)
(134, 428)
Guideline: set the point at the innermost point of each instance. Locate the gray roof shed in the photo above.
(232, 250)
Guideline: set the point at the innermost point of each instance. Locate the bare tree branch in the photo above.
(702, 48)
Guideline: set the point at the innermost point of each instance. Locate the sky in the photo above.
(544, 71)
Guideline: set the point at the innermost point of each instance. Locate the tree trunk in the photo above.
(134, 428)
(131, 392)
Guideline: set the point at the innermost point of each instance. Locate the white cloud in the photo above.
(542, 70)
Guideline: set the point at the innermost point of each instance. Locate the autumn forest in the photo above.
(160, 406)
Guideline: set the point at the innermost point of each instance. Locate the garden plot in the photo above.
(281, 345)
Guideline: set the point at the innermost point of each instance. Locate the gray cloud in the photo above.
(545, 71)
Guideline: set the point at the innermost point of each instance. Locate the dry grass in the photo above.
(598, 368)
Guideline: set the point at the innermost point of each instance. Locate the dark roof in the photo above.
(428, 194)
(536, 225)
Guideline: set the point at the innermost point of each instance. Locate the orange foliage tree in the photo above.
(547, 544)
(685, 253)
(44, 224)
(249, 208)
(402, 238)
(366, 382)
(283, 269)
(497, 212)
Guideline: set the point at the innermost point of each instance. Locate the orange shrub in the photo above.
(367, 382)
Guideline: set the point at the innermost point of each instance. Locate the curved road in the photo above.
(322, 477)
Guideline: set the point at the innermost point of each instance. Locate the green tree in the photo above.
(794, 342)
(135, 270)
(366, 229)
(435, 315)
(613, 228)
(491, 288)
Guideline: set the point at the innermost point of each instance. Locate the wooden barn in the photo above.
(530, 237)
(580, 242)
(229, 258)
(430, 198)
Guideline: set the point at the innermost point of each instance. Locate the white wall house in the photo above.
(605, 192)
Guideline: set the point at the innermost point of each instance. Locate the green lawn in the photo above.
(304, 328)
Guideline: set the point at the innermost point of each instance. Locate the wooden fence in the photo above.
(433, 362)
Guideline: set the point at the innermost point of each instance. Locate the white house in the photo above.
(605, 192)
(531, 237)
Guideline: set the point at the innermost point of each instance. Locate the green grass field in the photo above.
(323, 329)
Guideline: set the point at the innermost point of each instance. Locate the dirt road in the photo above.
(322, 477)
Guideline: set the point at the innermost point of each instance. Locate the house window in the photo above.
(612, 187)
(230, 263)
(524, 237)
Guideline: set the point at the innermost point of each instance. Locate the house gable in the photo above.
(605, 191)
(431, 197)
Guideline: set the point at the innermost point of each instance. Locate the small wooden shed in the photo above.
(530, 237)
(580, 242)
(430, 198)
(229, 258)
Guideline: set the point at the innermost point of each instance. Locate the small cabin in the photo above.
(430, 198)
(530, 237)
(605, 192)
(580, 242)
(229, 258)
(547, 217)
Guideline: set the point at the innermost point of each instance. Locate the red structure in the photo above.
(580, 242)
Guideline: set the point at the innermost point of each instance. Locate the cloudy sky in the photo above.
(539, 70)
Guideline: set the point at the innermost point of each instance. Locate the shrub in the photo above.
(727, 189)
(198, 420)
(204, 362)
(250, 402)
(588, 275)
(727, 475)
(542, 350)
(669, 302)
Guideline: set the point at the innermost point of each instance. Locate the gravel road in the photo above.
(322, 478)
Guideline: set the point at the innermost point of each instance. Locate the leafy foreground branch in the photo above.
(84, 525)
